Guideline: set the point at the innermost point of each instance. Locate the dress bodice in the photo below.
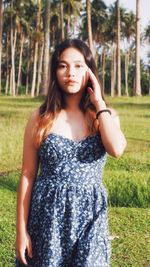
(65, 160)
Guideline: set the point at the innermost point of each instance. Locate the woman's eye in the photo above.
(79, 66)
(61, 66)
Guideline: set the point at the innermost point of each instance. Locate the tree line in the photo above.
(30, 30)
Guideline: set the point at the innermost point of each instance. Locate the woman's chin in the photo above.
(72, 91)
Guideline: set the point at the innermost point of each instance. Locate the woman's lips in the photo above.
(70, 82)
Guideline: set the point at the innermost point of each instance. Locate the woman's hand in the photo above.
(23, 243)
(112, 137)
(95, 91)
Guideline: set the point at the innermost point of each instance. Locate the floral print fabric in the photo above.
(68, 213)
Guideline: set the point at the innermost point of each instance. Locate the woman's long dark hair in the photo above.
(54, 101)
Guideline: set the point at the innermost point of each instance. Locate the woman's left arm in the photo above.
(109, 125)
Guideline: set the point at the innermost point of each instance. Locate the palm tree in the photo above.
(114, 34)
(62, 20)
(89, 26)
(7, 64)
(71, 14)
(118, 51)
(23, 34)
(36, 39)
(46, 48)
(6, 47)
(20, 63)
(137, 89)
(1, 28)
(115, 22)
(99, 29)
(13, 16)
(147, 38)
(129, 30)
(39, 71)
(13, 36)
(147, 33)
(28, 66)
(112, 40)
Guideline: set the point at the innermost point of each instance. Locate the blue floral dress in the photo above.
(68, 214)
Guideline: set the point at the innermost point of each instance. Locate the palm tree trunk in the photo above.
(46, 49)
(27, 77)
(34, 69)
(62, 20)
(149, 80)
(118, 51)
(137, 90)
(12, 76)
(1, 28)
(68, 20)
(53, 39)
(39, 69)
(36, 50)
(28, 68)
(103, 69)
(89, 26)
(126, 73)
(7, 83)
(7, 66)
(149, 84)
(112, 73)
(115, 66)
(20, 63)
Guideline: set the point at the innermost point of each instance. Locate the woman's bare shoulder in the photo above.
(33, 119)
(34, 116)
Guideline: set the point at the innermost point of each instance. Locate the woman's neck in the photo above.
(72, 101)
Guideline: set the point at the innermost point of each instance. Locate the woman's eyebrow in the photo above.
(75, 61)
(80, 61)
(62, 61)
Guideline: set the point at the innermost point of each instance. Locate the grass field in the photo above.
(127, 179)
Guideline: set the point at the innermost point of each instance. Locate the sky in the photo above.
(145, 16)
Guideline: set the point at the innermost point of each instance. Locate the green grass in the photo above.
(130, 228)
(8, 184)
(13, 117)
(127, 179)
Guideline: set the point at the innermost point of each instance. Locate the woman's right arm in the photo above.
(29, 171)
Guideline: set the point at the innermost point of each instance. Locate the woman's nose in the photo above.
(71, 71)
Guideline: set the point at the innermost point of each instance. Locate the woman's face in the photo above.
(72, 75)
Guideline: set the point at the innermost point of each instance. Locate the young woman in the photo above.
(62, 203)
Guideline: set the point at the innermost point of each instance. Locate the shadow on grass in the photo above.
(14, 114)
(138, 139)
(18, 105)
(8, 185)
(21, 99)
(9, 181)
(132, 105)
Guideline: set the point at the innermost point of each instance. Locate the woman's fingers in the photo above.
(93, 79)
(95, 94)
(23, 248)
(21, 256)
(90, 90)
(29, 248)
